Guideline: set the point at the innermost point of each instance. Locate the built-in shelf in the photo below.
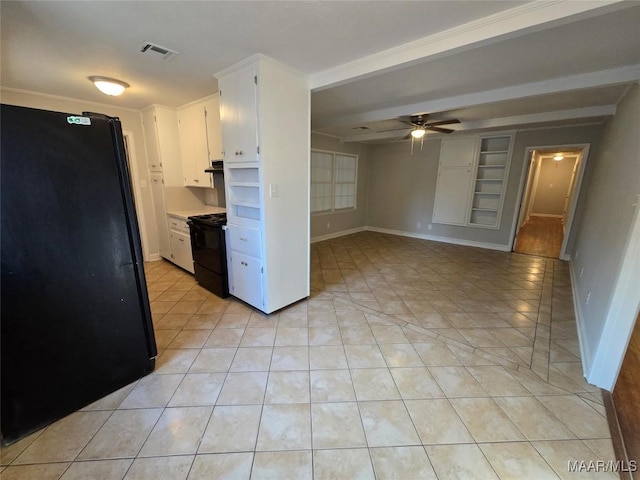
(472, 173)
(243, 193)
(491, 171)
(244, 184)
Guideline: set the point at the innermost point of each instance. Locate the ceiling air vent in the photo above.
(166, 53)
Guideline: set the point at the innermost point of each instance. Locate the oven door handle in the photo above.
(194, 230)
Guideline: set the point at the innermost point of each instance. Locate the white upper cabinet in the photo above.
(214, 131)
(163, 145)
(460, 152)
(200, 140)
(239, 115)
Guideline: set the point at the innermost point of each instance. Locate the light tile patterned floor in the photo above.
(411, 360)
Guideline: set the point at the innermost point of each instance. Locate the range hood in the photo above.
(216, 167)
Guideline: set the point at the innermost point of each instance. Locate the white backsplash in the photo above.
(184, 198)
(215, 196)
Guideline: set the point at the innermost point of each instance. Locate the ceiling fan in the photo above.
(421, 124)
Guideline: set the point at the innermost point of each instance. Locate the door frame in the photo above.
(582, 158)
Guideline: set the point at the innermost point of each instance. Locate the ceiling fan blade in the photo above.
(443, 122)
(438, 129)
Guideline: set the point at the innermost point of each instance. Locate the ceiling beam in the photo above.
(564, 84)
(527, 18)
(545, 117)
(503, 122)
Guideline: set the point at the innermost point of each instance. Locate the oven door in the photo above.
(207, 246)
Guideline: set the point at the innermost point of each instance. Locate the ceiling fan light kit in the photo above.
(418, 132)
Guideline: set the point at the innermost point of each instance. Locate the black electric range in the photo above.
(209, 252)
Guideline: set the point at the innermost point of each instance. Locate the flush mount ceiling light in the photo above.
(558, 157)
(109, 86)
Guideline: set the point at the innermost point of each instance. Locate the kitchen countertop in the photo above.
(184, 214)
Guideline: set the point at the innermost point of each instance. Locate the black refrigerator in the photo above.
(75, 317)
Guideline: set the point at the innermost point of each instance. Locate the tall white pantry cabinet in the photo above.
(265, 117)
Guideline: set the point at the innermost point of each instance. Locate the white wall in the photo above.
(603, 244)
(132, 123)
(553, 186)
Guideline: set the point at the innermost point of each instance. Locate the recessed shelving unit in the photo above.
(243, 189)
(472, 174)
(492, 167)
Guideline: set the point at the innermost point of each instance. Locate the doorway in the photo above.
(550, 191)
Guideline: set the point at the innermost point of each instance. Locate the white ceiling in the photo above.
(492, 64)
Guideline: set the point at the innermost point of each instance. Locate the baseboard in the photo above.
(154, 257)
(433, 238)
(585, 353)
(617, 438)
(341, 233)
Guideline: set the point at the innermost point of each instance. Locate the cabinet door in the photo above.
(166, 123)
(151, 136)
(452, 196)
(160, 214)
(239, 115)
(458, 152)
(246, 275)
(193, 144)
(214, 133)
(181, 250)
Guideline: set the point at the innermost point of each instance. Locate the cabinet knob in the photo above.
(239, 152)
(196, 180)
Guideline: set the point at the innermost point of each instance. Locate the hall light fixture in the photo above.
(109, 86)
(558, 157)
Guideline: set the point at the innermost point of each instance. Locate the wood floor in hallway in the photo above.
(540, 236)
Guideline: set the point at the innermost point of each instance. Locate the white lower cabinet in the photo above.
(246, 271)
(246, 278)
(180, 243)
(452, 195)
